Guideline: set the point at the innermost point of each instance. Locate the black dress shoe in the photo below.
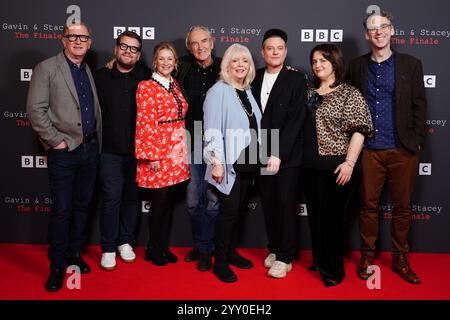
(204, 262)
(224, 273)
(55, 280)
(74, 258)
(239, 261)
(192, 255)
(170, 256)
(313, 266)
(156, 257)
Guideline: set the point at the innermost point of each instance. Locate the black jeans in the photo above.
(327, 205)
(279, 200)
(72, 180)
(227, 220)
(120, 200)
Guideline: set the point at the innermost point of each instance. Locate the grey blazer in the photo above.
(53, 107)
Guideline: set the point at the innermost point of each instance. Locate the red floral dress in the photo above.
(160, 135)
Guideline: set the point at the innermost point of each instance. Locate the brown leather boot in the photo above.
(401, 266)
(365, 262)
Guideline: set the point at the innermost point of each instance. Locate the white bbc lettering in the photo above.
(147, 33)
(424, 169)
(41, 161)
(322, 35)
(429, 81)
(136, 30)
(27, 162)
(25, 74)
(302, 210)
(307, 35)
(145, 206)
(336, 35)
(34, 162)
(117, 31)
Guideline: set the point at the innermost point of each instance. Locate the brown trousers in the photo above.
(399, 167)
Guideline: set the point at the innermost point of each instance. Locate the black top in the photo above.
(311, 157)
(117, 96)
(197, 82)
(248, 160)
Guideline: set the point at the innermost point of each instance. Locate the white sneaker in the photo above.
(126, 253)
(108, 262)
(279, 269)
(269, 260)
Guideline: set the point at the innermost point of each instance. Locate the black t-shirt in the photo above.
(248, 160)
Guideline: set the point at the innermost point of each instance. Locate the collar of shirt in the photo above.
(74, 65)
(163, 81)
(389, 61)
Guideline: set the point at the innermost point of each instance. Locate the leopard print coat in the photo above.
(341, 113)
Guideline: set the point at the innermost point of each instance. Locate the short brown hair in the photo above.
(161, 46)
(384, 14)
(333, 54)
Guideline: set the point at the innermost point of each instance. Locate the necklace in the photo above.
(242, 104)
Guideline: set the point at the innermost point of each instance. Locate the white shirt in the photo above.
(267, 85)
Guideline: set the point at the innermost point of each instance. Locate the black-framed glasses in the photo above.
(124, 47)
(383, 28)
(74, 37)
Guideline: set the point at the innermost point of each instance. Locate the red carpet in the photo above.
(24, 269)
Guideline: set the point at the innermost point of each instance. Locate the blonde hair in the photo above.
(161, 46)
(229, 54)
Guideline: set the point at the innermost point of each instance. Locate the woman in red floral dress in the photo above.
(161, 148)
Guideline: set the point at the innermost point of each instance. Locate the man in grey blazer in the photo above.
(64, 111)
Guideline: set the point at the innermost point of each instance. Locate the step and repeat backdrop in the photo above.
(30, 31)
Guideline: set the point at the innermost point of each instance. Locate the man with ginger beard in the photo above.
(116, 89)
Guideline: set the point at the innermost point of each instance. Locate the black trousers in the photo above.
(327, 204)
(160, 215)
(228, 217)
(279, 200)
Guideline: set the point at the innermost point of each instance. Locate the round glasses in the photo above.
(125, 47)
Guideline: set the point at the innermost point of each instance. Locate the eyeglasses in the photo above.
(124, 47)
(383, 28)
(74, 37)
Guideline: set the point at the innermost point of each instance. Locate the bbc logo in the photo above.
(322, 35)
(429, 81)
(25, 74)
(147, 33)
(145, 206)
(34, 162)
(424, 169)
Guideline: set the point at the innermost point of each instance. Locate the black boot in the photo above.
(156, 256)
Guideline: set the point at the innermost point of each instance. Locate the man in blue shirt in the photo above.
(393, 85)
(64, 111)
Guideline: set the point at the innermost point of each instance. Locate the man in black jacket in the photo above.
(281, 95)
(392, 84)
(197, 72)
(116, 89)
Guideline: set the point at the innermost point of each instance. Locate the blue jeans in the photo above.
(72, 180)
(203, 208)
(120, 200)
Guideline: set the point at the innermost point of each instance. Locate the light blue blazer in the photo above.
(226, 124)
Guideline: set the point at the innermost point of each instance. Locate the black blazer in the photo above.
(410, 99)
(285, 111)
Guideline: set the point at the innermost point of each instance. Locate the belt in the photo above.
(170, 121)
(89, 137)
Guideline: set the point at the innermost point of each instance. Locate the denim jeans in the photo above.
(72, 180)
(120, 200)
(203, 208)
